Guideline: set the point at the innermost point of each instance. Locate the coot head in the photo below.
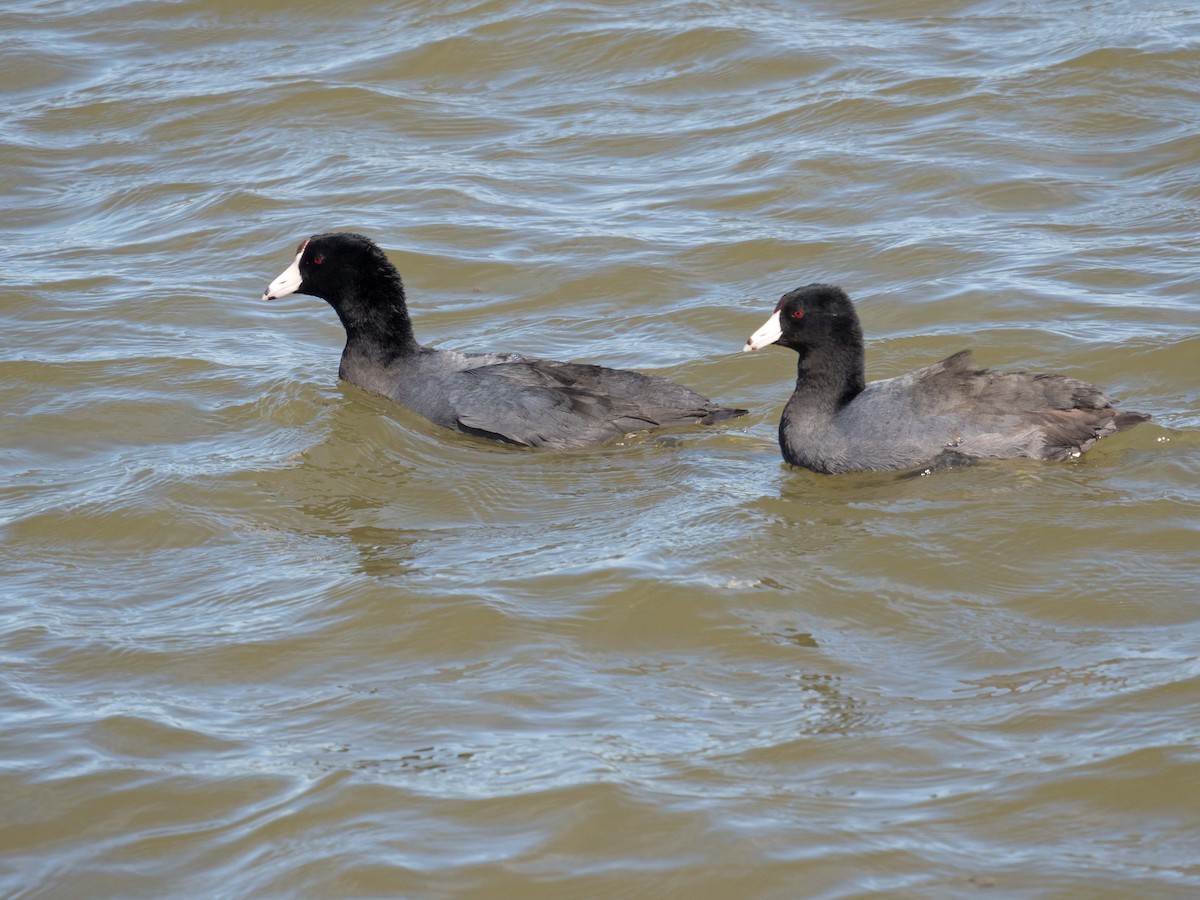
(331, 266)
(811, 316)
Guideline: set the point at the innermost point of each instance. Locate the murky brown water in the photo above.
(265, 635)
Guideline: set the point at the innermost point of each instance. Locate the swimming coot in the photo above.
(505, 397)
(836, 422)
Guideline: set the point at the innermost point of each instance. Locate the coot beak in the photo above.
(288, 282)
(768, 334)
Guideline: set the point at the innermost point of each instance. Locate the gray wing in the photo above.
(540, 403)
(952, 405)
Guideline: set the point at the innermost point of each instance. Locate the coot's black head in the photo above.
(810, 316)
(339, 267)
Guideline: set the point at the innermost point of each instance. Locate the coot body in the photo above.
(836, 422)
(505, 397)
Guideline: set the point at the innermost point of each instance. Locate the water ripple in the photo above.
(263, 629)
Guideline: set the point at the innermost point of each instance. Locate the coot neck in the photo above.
(827, 378)
(374, 314)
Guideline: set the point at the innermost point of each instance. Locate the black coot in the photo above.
(506, 397)
(836, 422)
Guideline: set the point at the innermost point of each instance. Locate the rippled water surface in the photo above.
(266, 635)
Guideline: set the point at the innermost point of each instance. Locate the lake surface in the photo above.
(266, 635)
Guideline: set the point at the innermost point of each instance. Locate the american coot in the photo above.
(836, 422)
(505, 397)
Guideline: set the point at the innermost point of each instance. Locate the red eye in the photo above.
(797, 314)
(318, 260)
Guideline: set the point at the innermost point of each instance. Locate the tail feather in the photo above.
(722, 413)
(1069, 433)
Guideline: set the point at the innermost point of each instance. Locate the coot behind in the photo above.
(505, 397)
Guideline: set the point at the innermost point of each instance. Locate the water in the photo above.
(267, 635)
